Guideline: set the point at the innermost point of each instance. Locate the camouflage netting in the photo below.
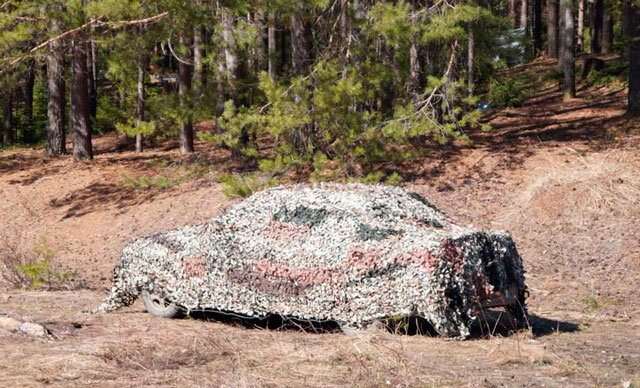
(350, 253)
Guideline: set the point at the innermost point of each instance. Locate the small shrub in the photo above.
(32, 270)
(238, 185)
(592, 304)
(163, 182)
(613, 74)
(11, 258)
(506, 93)
(172, 175)
(553, 75)
(373, 178)
(41, 270)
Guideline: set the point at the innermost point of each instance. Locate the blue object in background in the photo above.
(483, 107)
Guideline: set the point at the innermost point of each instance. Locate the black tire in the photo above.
(159, 307)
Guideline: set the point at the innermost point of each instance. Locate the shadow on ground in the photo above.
(495, 323)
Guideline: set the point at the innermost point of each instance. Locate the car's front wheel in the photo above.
(160, 307)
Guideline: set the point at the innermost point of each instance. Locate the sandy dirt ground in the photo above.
(561, 177)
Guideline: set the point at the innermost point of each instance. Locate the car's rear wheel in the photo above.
(160, 307)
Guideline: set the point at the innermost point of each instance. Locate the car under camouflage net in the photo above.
(354, 254)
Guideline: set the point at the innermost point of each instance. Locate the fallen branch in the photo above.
(447, 74)
(92, 22)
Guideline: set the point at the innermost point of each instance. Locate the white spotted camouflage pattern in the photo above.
(351, 253)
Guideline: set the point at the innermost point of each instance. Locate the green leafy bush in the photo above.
(613, 74)
(243, 185)
(41, 271)
(506, 93)
(162, 182)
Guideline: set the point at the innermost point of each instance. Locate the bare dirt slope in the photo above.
(561, 177)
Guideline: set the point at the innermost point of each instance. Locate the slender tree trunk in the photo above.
(568, 49)
(301, 58)
(633, 31)
(607, 29)
(143, 63)
(184, 85)
(232, 66)
(80, 123)
(561, 38)
(537, 26)
(7, 122)
(271, 46)
(346, 28)
(258, 49)
(230, 51)
(552, 29)
(220, 95)
(512, 13)
(580, 42)
(524, 14)
(56, 143)
(91, 79)
(414, 60)
(596, 27)
(30, 78)
(300, 54)
(198, 65)
(470, 49)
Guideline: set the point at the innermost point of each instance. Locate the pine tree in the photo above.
(56, 140)
(568, 49)
(633, 30)
(552, 28)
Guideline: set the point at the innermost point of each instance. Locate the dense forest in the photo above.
(327, 88)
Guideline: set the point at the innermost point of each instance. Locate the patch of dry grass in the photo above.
(585, 188)
(12, 256)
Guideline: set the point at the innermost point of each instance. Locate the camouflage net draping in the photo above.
(350, 253)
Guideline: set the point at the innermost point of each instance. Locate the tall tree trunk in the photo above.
(627, 23)
(596, 27)
(300, 53)
(470, 48)
(537, 26)
(346, 28)
(56, 143)
(607, 29)
(92, 79)
(561, 38)
(580, 42)
(232, 66)
(7, 122)
(300, 59)
(524, 14)
(143, 63)
(198, 65)
(633, 31)
(220, 95)
(184, 85)
(80, 122)
(552, 29)
(258, 49)
(568, 49)
(513, 17)
(230, 51)
(414, 62)
(30, 78)
(271, 46)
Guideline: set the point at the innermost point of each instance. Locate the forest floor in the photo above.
(563, 178)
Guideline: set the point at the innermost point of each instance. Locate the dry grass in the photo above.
(12, 256)
(577, 220)
(585, 188)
